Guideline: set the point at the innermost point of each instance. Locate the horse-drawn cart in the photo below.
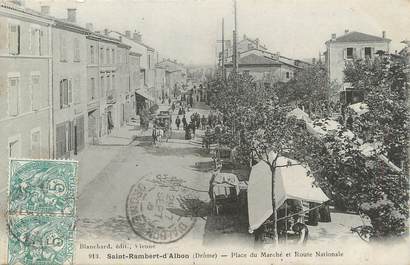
(163, 125)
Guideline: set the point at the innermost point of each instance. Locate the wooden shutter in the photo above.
(35, 92)
(13, 91)
(13, 39)
(77, 91)
(35, 145)
(70, 92)
(61, 94)
(345, 53)
(354, 53)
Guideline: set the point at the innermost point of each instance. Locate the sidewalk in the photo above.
(120, 137)
(94, 158)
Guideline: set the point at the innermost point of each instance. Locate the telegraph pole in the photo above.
(223, 50)
(235, 52)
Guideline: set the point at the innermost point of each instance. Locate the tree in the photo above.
(309, 88)
(257, 123)
(384, 84)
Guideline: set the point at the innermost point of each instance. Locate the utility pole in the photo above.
(235, 51)
(223, 50)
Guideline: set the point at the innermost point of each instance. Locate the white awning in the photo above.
(291, 182)
(145, 94)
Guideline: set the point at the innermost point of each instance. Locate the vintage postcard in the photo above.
(204, 132)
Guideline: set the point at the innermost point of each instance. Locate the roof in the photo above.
(253, 59)
(139, 42)
(254, 42)
(355, 36)
(24, 10)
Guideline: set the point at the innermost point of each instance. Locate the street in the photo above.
(101, 202)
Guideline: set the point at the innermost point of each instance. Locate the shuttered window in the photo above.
(14, 39)
(35, 92)
(13, 96)
(76, 50)
(66, 97)
(63, 48)
(35, 144)
(77, 90)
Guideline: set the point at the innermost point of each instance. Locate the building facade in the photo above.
(69, 86)
(349, 47)
(25, 86)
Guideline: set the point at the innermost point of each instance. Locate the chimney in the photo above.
(383, 34)
(72, 15)
(333, 36)
(106, 32)
(137, 36)
(45, 10)
(346, 31)
(257, 43)
(128, 34)
(89, 26)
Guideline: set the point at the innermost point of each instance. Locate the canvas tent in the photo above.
(291, 182)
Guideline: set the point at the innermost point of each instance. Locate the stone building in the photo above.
(25, 85)
(69, 86)
(348, 47)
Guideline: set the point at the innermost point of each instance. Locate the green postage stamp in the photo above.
(42, 197)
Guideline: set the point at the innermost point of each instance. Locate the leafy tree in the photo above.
(257, 123)
(385, 86)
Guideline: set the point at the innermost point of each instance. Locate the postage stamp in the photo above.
(158, 209)
(41, 216)
(42, 187)
(40, 239)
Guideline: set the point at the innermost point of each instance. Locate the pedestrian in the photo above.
(184, 123)
(154, 135)
(203, 122)
(349, 123)
(169, 101)
(210, 120)
(173, 106)
(197, 123)
(192, 126)
(177, 122)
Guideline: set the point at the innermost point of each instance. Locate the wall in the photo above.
(336, 59)
(71, 69)
(30, 117)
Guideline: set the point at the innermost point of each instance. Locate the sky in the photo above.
(188, 30)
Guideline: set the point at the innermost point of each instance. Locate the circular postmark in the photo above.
(157, 209)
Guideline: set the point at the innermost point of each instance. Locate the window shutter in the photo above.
(13, 39)
(70, 92)
(77, 91)
(354, 53)
(345, 54)
(40, 41)
(35, 145)
(18, 39)
(13, 92)
(35, 92)
(61, 94)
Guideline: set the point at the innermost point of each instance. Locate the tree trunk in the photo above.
(313, 214)
(324, 212)
(275, 214)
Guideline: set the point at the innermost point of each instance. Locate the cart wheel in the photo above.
(302, 231)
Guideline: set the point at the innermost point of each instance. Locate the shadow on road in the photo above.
(116, 228)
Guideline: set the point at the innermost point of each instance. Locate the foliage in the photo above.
(384, 82)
